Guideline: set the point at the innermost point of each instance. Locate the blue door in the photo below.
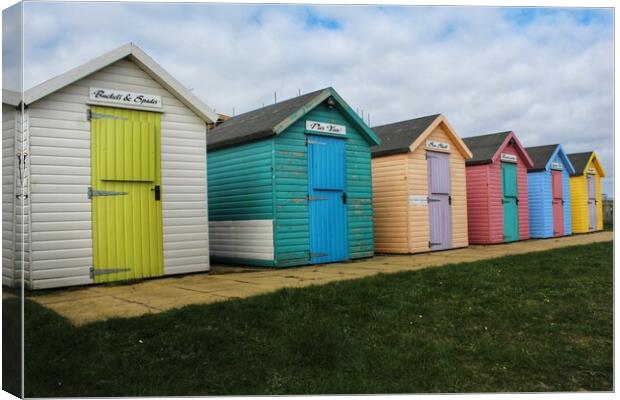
(327, 198)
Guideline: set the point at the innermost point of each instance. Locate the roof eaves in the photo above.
(239, 140)
(75, 74)
(478, 162)
(529, 163)
(303, 110)
(372, 136)
(560, 151)
(465, 151)
(389, 152)
(11, 97)
(137, 55)
(173, 85)
(597, 164)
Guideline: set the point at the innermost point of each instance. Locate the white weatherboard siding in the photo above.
(61, 173)
(9, 121)
(251, 239)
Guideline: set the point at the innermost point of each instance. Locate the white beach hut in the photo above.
(104, 176)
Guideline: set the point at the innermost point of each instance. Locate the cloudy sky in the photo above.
(546, 74)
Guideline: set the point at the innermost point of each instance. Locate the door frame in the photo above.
(97, 112)
(557, 174)
(308, 137)
(516, 200)
(449, 241)
(592, 216)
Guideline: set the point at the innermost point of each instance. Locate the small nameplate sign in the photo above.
(325, 127)
(435, 145)
(591, 171)
(508, 157)
(124, 97)
(417, 200)
(557, 165)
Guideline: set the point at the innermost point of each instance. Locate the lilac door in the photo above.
(439, 200)
(592, 202)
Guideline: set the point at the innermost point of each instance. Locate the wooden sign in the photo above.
(435, 145)
(508, 157)
(325, 127)
(557, 165)
(591, 171)
(126, 98)
(416, 200)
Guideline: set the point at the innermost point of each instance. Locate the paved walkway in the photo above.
(87, 304)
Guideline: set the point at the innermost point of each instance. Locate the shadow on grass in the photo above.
(533, 322)
(11, 346)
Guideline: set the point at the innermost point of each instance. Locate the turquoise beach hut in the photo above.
(290, 184)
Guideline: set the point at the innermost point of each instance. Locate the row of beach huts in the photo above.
(115, 171)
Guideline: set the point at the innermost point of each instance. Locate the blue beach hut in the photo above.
(549, 191)
(290, 184)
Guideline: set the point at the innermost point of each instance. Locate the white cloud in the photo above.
(550, 80)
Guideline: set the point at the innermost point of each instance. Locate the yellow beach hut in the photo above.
(585, 192)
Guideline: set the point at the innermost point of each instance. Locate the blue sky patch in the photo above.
(314, 21)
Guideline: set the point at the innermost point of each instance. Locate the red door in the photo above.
(558, 203)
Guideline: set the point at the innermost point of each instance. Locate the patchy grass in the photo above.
(533, 322)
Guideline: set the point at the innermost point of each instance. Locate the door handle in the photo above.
(344, 197)
(157, 190)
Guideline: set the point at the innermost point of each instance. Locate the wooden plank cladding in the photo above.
(400, 175)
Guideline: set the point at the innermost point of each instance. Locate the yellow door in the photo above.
(125, 194)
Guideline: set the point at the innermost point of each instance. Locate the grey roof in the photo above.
(484, 147)
(541, 155)
(398, 136)
(579, 161)
(256, 124)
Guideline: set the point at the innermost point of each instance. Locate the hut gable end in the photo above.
(60, 169)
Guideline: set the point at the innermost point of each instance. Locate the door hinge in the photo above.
(431, 244)
(308, 141)
(90, 115)
(449, 200)
(312, 255)
(430, 200)
(104, 271)
(94, 193)
(314, 198)
(344, 197)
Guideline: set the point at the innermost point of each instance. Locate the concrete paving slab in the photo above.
(92, 303)
(185, 300)
(87, 310)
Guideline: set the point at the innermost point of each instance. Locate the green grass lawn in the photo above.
(534, 322)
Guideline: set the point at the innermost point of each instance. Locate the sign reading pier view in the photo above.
(125, 98)
(325, 127)
(508, 157)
